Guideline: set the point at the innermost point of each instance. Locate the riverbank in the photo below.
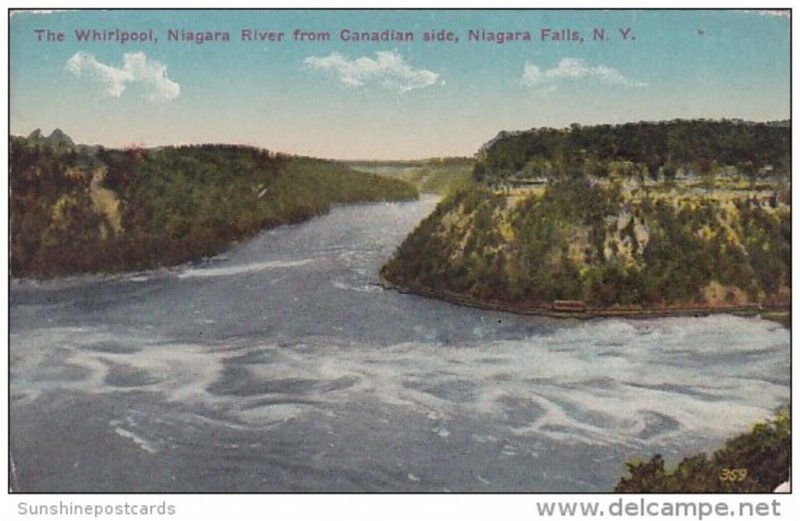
(79, 210)
(777, 313)
(589, 247)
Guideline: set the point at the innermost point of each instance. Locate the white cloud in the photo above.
(574, 69)
(136, 68)
(387, 69)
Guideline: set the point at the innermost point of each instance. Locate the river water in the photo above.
(282, 366)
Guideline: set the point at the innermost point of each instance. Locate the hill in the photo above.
(77, 209)
(436, 176)
(609, 235)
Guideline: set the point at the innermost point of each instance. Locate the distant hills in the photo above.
(438, 176)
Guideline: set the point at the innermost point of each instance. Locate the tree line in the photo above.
(175, 204)
(657, 150)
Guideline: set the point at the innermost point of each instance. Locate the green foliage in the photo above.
(466, 264)
(661, 148)
(176, 203)
(438, 176)
(757, 461)
(583, 240)
(597, 235)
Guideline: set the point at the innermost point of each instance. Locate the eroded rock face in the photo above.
(589, 241)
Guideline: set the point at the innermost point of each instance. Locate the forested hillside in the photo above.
(659, 150)
(611, 236)
(438, 176)
(88, 209)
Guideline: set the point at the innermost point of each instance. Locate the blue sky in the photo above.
(395, 99)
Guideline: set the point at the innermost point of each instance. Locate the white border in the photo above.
(332, 506)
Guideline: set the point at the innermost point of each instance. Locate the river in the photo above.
(283, 366)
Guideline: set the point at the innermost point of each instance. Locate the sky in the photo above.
(347, 99)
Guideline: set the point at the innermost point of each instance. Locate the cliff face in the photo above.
(639, 216)
(610, 244)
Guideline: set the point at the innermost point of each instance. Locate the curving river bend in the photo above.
(282, 366)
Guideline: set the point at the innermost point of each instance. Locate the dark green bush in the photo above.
(757, 461)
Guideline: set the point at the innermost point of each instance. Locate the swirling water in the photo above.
(283, 366)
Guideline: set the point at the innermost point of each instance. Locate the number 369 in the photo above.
(733, 475)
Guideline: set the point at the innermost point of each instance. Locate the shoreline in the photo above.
(780, 313)
(223, 249)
